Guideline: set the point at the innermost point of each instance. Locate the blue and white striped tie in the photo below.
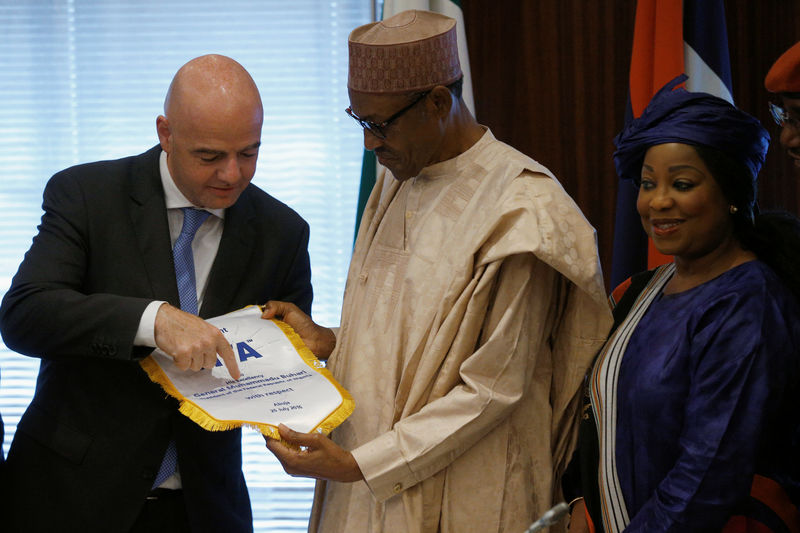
(184, 260)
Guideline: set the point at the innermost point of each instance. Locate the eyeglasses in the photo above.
(377, 129)
(782, 117)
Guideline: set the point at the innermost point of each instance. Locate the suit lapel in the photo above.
(233, 258)
(149, 217)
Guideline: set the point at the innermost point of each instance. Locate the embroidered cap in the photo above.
(784, 75)
(410, 51)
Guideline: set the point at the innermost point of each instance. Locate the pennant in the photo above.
(281, 382)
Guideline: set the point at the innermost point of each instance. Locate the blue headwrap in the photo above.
(698, 119)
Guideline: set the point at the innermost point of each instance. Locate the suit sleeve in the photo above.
(47, 312)
(296, 288)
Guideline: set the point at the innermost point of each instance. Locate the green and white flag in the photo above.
(451, 8)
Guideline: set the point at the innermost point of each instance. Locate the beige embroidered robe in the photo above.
(474, 305)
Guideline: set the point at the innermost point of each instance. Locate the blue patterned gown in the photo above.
(704, 401)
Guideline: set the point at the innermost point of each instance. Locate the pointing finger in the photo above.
(228, 359)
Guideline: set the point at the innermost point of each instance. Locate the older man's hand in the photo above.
(315, 456)
(319, 339)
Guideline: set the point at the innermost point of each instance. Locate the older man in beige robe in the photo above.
(474, 305)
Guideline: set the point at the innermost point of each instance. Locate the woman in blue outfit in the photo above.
(690, 397)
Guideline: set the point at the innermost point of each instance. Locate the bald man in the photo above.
(101, 447)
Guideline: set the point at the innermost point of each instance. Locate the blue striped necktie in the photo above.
(187, 292)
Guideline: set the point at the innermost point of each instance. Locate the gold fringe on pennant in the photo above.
(345, 409)
(209, 423)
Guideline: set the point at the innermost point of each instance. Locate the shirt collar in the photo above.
(173, 197)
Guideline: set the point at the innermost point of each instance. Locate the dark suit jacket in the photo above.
(87, 449)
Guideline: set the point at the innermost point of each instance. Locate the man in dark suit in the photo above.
(97, 291)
